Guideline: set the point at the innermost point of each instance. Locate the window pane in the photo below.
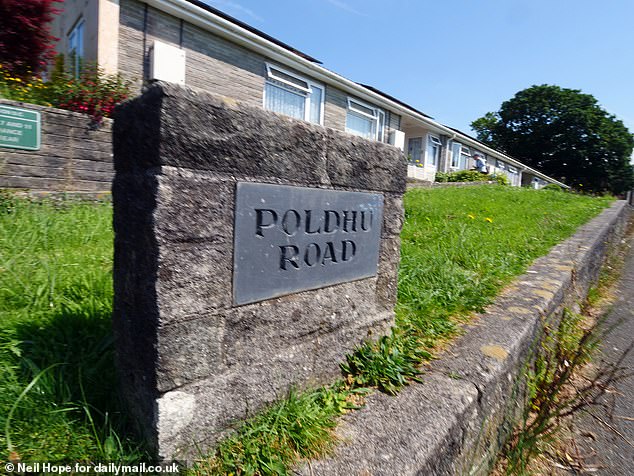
(315, 104)
(414, 150)
(360, 108)
(455, 154)
(288, 78)
(284, 101)
(361, 125)
(464, 159)
(433, 151)
(381, 131)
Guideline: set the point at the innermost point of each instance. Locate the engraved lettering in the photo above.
(307, 258)
(293, 226)
(364, 226)
(288, 254)
(327, 219)
(329, 253)
(259, 220)
(344, 250)
(347, 219)
(308, 223)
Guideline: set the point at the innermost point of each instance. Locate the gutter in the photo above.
(224, 28)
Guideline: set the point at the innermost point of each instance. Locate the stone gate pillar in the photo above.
(252, 252)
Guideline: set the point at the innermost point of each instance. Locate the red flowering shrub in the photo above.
(94, 93)
(26, 44)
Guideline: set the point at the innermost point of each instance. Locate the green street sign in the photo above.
(19, 128)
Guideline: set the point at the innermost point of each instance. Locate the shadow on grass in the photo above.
(72, 351)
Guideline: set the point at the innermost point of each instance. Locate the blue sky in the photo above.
(458, 59)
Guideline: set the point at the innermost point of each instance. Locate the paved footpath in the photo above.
(608, 453)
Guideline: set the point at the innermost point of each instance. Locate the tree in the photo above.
(565, 134)
(26, 44)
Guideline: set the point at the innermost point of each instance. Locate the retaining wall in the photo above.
(74, 154)
(455, 422)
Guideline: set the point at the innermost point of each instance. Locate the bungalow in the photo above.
(189, 42)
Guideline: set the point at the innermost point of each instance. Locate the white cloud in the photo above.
(234, 8)
(345, 6)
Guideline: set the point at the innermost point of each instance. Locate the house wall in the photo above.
(212, 63)
(101, 30)
(108, 40)
(73, 11)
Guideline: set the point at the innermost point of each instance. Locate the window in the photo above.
(292, 95)
(500, 165)
(415, 150)
(459, 156)
(433, 150)
(76, 47)
(365, 120)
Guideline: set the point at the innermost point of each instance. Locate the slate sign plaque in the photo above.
(290, 239)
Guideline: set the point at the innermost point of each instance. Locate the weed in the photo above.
(298, 427)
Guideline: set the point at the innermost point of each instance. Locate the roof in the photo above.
(306, 63)
(392, 98)
(248, 27)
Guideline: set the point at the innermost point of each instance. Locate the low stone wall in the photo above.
(74, 155)
(455, 422)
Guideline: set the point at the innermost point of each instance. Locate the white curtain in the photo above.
(284, 101)
(361, 125)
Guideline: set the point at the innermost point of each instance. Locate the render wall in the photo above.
(74, 155)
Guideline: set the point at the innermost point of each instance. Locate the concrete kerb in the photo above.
(458, 418)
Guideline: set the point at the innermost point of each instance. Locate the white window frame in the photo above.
(78, 31)
(270, 73)
(377, 115)
(463, 151)
(500, 165)
(436, 141)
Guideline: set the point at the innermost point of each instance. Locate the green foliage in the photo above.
(553, 187)
(388, 364)
(471, 176)
(565, 134)
(94, 92)
(467, 176)
(299, 426)
(442, 177)
(501, 179)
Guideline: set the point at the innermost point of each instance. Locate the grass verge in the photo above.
(57, 379)
(57, 385)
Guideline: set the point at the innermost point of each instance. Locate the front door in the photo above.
(432, 155)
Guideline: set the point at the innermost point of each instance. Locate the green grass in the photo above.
(57, 383)
(460, 246)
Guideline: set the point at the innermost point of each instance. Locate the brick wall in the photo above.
(73, 155)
